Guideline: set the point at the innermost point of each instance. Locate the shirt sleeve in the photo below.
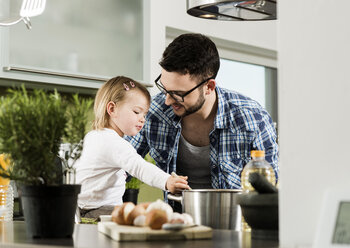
(126, 157)
(266, 140)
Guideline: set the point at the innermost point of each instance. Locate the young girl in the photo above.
(120, 108)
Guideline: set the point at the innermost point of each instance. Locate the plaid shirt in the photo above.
(241, 125)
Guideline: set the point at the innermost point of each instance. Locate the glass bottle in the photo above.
(260, 165)
(6, 202)
(6, 192)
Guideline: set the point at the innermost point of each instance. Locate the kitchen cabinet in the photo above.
(78, 43)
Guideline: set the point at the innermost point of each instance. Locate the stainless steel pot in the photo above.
(216, 208)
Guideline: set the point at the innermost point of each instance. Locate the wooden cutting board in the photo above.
(133, 233)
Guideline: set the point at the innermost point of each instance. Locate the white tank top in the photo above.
(193, 161)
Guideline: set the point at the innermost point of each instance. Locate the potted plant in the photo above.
(32, 128)
(132, 189)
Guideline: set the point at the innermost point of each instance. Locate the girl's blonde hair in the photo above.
(113, 90)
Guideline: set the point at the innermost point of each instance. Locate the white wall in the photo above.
(172, 13)
(314, 102)
(314, 94)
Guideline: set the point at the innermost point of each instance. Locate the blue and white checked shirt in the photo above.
(241, 125)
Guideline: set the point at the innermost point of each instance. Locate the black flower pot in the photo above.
(49, 210)
(130, 195)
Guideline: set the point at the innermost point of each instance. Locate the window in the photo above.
(79, 43)
(255, 81)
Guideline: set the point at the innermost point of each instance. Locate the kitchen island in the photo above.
(13, 234)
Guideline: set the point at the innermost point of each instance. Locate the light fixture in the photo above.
(29, 8)
(233, 10)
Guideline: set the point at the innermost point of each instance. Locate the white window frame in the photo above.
(235, 51)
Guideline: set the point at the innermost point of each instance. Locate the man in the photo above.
(198, 129)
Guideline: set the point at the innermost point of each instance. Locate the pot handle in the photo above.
(177, 198)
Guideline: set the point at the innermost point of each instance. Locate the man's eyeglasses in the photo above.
(176, 96)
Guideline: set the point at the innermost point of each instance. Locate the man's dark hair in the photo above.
(194, 54)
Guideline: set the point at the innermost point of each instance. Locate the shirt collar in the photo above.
(222, 119)
(160, 109)
(176, 120)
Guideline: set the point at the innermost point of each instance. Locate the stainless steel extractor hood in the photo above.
(233, 10)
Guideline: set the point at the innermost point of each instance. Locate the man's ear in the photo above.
(111, 107)
(210, 86)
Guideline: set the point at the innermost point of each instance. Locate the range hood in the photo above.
(233, 10)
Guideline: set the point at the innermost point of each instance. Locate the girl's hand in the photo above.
(176, 183)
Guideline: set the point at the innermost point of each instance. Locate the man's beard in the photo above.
(197, 106)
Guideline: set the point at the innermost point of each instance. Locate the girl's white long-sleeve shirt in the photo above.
(102, 165)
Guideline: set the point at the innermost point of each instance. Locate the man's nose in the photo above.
(169, 100)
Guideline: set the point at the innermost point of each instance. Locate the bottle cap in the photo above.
(257, 153)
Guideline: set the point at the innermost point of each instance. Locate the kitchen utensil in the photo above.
(261, 213)
(77, 216)
(217, 208)
(173, 174)
(260, 210)
(261, 184)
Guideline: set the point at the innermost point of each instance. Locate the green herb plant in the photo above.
(134, 183)
(32, 127)
(75, 130)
